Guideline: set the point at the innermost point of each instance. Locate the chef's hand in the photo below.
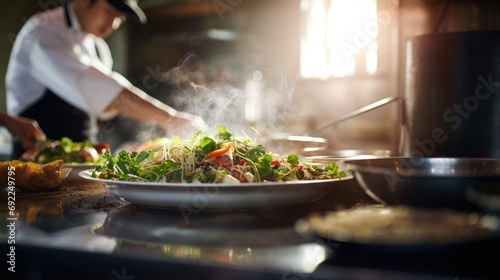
(26, 130)
(185, 125)
(199, 123)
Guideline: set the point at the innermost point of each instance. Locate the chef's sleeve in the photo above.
(73, 76)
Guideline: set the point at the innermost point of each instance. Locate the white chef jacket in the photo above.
(49, 54)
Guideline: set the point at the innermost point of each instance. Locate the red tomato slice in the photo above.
(223, 161)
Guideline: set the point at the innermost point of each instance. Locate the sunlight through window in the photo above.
(339, 38)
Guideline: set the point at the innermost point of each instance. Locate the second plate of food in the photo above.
(398, 229)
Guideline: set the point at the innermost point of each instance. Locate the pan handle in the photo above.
(355, 113)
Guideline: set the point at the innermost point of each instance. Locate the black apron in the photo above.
(56, 117)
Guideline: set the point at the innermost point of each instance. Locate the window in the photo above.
(339, 38)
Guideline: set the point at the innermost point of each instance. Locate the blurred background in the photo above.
(273, 65)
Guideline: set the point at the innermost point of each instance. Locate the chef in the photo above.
(59, 74)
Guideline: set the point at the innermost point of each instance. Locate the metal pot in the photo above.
(451, 95)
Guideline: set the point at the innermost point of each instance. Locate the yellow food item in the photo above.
(31, 176)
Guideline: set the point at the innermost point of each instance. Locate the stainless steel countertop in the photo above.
(110, 237)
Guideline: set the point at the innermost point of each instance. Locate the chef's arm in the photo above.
(135, 104)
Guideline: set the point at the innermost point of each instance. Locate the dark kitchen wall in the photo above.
(231, 38)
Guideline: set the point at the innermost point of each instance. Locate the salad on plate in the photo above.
(220, 157)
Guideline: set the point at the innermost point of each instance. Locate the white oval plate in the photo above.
(199, 197)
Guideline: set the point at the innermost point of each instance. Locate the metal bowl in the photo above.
(425, 182)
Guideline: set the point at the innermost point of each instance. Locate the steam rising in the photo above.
(249, 95)
(255, 103)
(217, 105)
